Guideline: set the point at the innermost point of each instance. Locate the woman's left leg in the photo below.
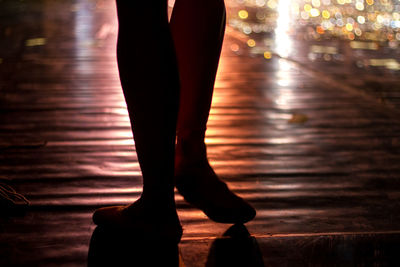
(198, 31)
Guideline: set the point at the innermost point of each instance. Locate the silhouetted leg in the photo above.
(198, 31)
(150, 81)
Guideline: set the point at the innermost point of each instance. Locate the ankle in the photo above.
(190, 150)
(158, 200)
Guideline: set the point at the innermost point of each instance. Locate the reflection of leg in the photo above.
(150, 82)
(198, 31)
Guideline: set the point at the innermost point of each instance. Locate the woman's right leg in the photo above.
(150, 82)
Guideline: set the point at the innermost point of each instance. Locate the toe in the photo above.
(107, 215)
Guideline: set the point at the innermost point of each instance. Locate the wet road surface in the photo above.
(318, 161)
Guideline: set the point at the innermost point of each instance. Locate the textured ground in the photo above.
(319, 162)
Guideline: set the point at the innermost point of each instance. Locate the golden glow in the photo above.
(349, 27)
(371, 16)
(320, 20)
(243, 14)
(389, 63)
(319, 49)
(251, 43)
(298, 118)
(326, 14)
(344, 19)
(35, 42)
(267, 55)
(1, 60)
(307, 7)
(327, 57)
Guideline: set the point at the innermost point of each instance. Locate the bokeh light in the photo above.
(274, 25)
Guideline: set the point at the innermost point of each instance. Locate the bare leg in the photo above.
(150, 81)
(198, 30)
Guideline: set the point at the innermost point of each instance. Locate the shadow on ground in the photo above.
(114, 247)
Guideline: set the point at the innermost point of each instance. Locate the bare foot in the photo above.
(201, 187)
(141, 219)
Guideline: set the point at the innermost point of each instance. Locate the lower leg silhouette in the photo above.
(198, 32)
(150, 80)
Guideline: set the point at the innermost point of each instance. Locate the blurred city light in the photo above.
(272, 27)
(338, 18)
